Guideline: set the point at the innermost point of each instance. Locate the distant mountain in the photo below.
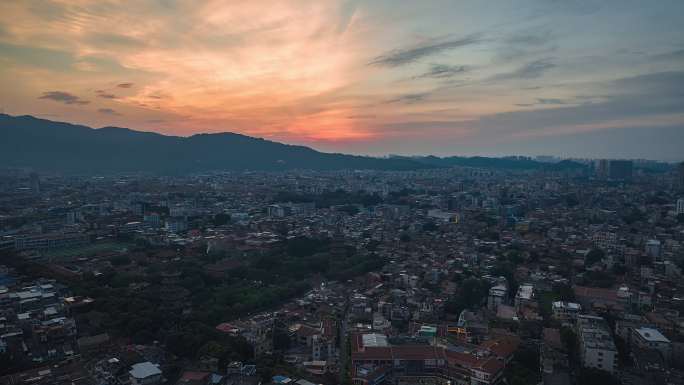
(505, 163)
(44, 145)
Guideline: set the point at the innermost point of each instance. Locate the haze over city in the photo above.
(576, 78)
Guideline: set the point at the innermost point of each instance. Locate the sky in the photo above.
(572, 78)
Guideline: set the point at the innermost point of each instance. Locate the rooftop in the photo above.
(374, 340)
(144, 370)
(651, 335)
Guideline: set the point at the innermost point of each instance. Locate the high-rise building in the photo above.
(602, 168)
(614, 169)
(680, 206)
(35, 183)
(597, 348)
(680, 175)
(71, 218)
(653, 249)
(620, 169)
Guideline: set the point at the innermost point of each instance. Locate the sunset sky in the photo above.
(563, 77)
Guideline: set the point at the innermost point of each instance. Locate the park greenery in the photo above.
(179, 303)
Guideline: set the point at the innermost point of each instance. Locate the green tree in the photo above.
(569, 341)
(281, 340)
(120, 260)
(593, 256)
(564, 292)
(591, 376)
(221, 219)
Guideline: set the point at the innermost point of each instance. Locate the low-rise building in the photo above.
(524, 296)
(565, 311)
(650, 338)
(497, 296)
(145, 373)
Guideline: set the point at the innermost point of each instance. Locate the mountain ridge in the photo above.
(46, 145)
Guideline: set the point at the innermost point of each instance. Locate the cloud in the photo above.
(400, 57)
(643, 98)
(545, 101)
(677, 55)
(158, 95)
(529, 39)
(362, 116)
(442, 71)
(114, 41)
(105, 95)
(530, 70)
(32, 56)
(346, 14)
(108, 111)
(410, 98)
(63, 97)
(550, 101)
(530, 43)
(125, 85)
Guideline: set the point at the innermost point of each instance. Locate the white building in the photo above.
(649, 338)
(597, 348)
(565, 311)
(444, 216)
(145, 373)
(497, 296)
(524, 296)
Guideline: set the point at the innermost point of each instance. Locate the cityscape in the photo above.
(341, 192)
(457, 275)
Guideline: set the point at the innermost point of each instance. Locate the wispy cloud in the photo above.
(108, 111)
(105, 95)
(366, 116)
(529, 38)
(545, 101)
(550, 101)
(346, 14)
(640, 97)
(528, 43)
(677, 55)
(400, 57)
(63, 97)
(442, 71)
(410, 98)
(530, 70)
